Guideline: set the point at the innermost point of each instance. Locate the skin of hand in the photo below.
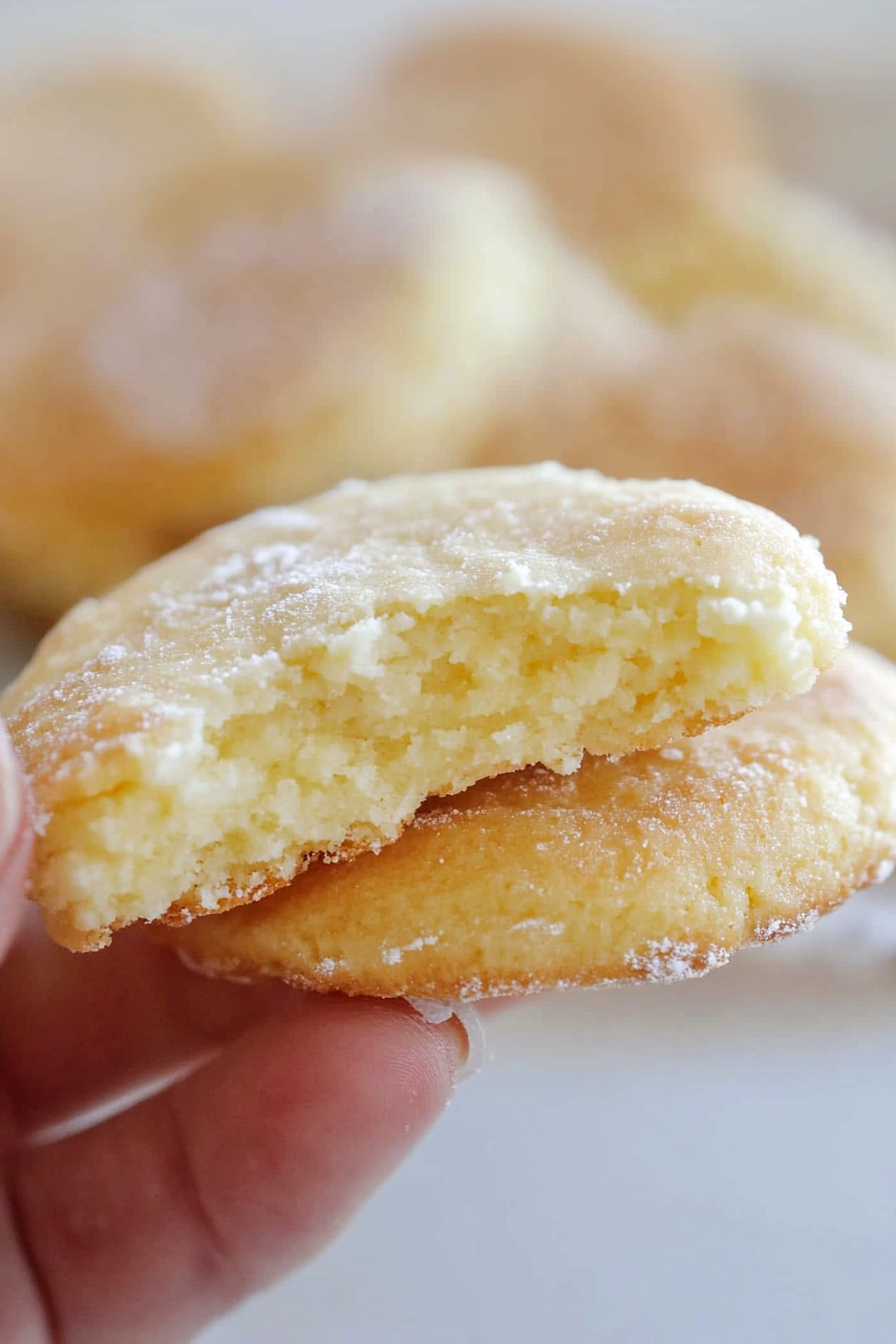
(281, 1114)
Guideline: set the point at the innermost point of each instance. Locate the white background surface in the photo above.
(786, 32)
(712, 1163)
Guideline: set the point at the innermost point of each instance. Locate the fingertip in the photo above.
(445, 1039)
(12, 807)
(15, 840)
(379, 1048)
(341, 1091)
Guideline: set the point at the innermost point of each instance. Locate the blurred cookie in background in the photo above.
(651, 160)
(614, 129)
(83, 148)
(764, 405)
(82, 151)
(57, 547)
(772, 243)
(291, 329)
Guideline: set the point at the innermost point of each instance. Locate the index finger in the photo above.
(15, 842)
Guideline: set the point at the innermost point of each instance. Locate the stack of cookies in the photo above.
(460, 735)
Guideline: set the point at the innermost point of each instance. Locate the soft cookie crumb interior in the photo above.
(657, 867)
(352, 729)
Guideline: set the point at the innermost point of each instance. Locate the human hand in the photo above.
(288, 1111)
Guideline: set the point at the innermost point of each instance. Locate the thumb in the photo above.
(15, 841)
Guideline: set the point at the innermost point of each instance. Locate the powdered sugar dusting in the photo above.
(393, 956)
(776, 929)
(328, 966)
(857, 939)
(667, 961)
(211, 971)
(882, 872)
(538, 925)
(325, 570)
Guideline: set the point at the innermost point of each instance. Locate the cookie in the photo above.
(655, 867)
(83, 152)
(756, 402)
(290, 332)
(613, 129)
(297, 684)
(772, 244)
(83, 148)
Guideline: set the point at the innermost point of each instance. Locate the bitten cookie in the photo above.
(655, 867)
(298, 683)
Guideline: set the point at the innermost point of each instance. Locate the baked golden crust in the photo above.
(654, 867)
(614, 130)
(300, 682)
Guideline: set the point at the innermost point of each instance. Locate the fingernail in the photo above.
(462, 1027)
(455, 1033)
